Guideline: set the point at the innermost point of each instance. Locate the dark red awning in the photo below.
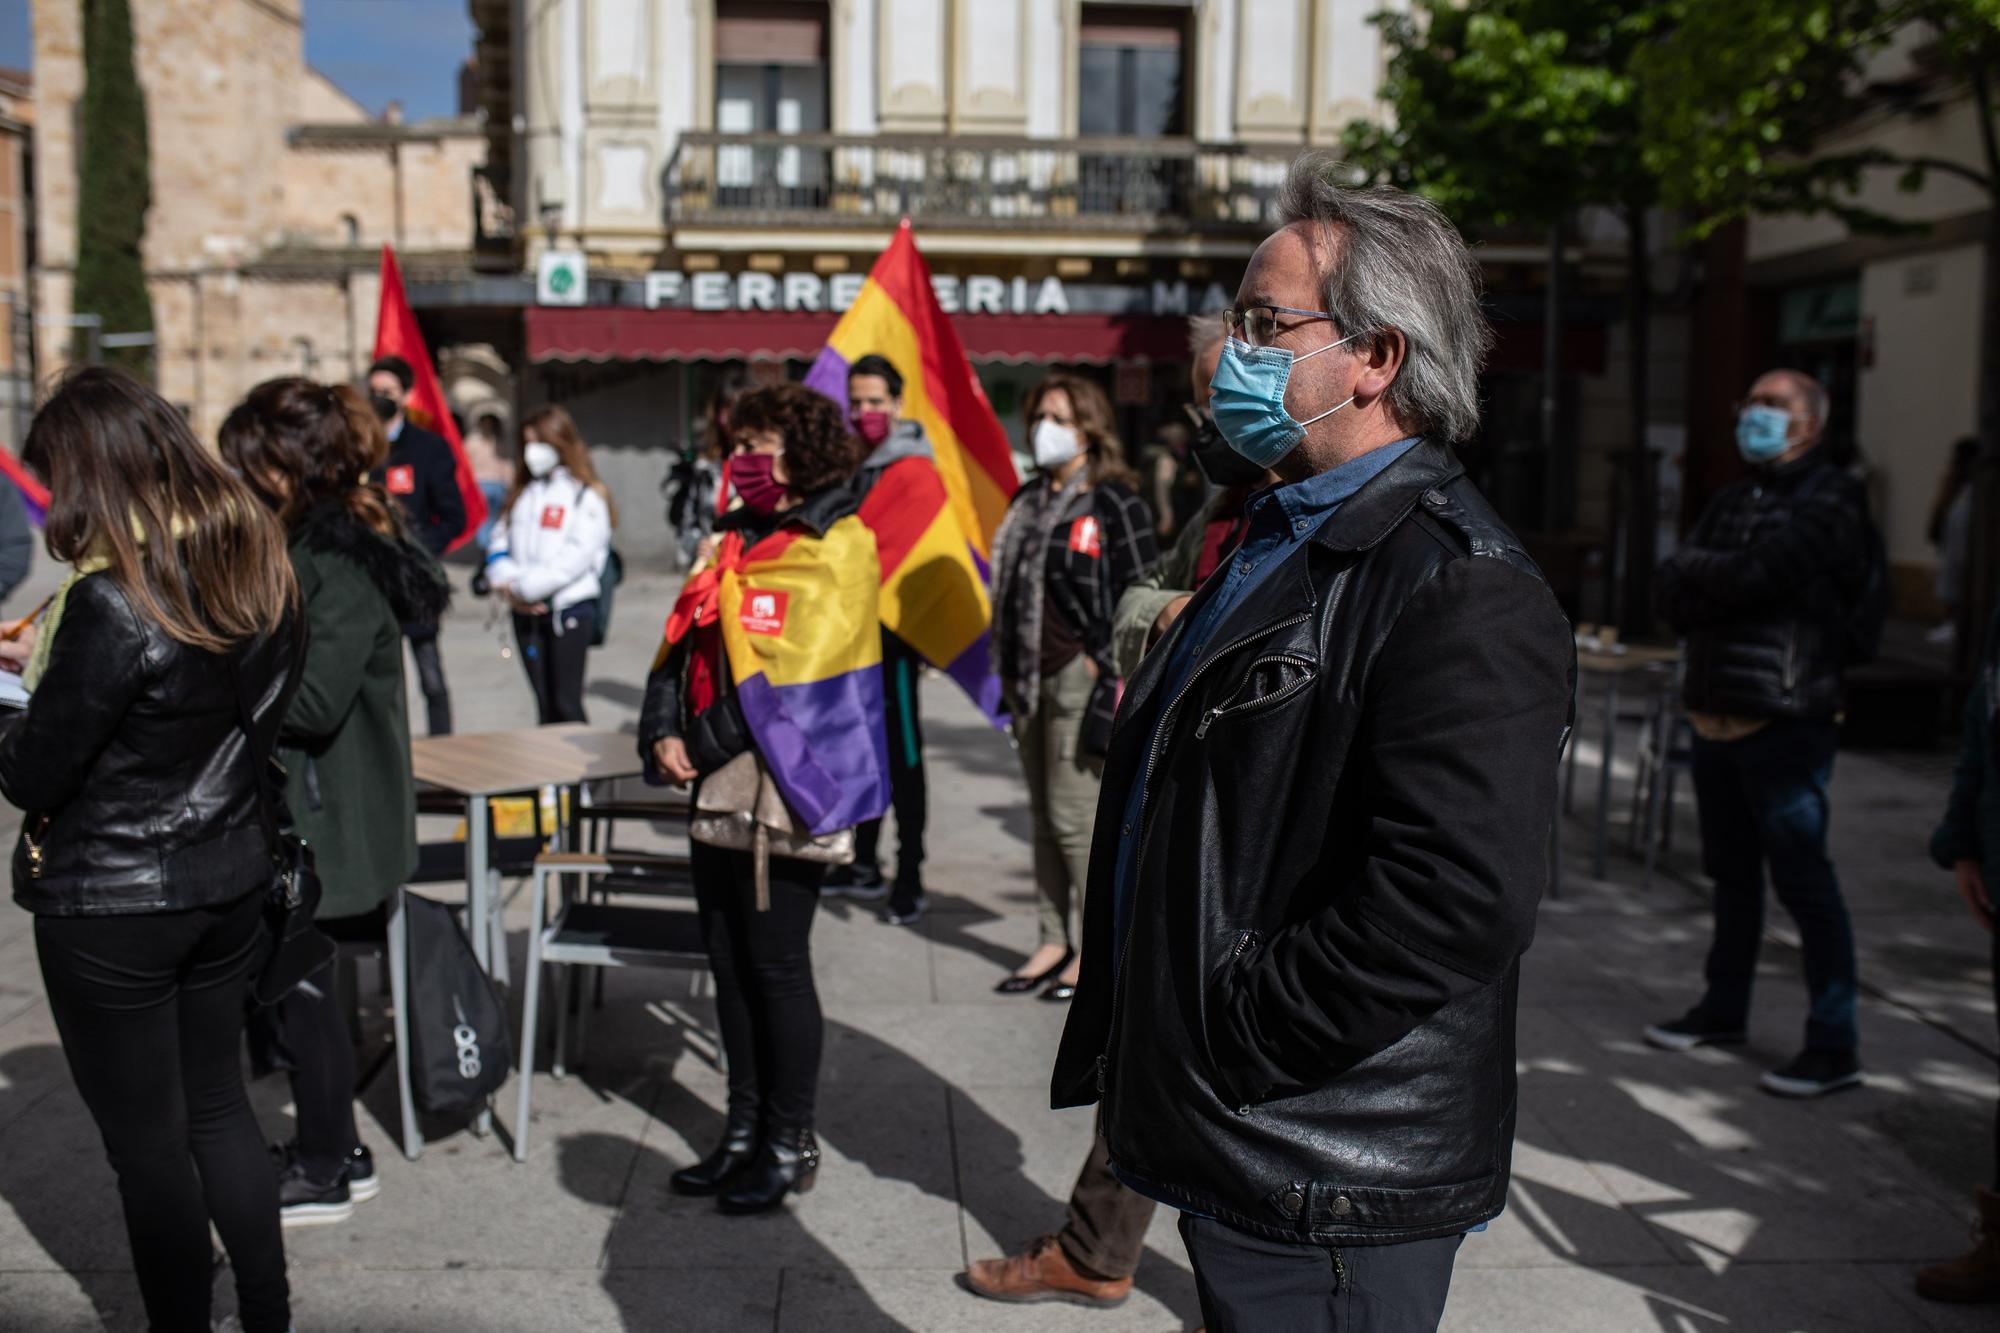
(620, 333)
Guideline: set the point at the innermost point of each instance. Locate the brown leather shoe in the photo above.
(1975, 1275)
(1042, 1272)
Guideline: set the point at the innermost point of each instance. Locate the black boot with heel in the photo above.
(712, 1173)
(787, 1164)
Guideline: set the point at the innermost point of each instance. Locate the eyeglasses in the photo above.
(1258, 324)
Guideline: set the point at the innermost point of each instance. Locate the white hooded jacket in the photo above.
(550, 546)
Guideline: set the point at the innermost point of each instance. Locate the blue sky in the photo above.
(409, 50)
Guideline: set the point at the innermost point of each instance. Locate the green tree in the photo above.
(1741, 102)
(1522, 112)
(114, 185)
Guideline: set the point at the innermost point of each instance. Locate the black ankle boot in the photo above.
(788, 1163)
(737, 1150)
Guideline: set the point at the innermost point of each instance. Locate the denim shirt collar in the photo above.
(1303, 505)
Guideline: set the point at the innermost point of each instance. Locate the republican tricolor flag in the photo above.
(34, 495)
(933, 525)
(396, 334)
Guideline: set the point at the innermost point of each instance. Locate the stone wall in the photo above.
(252, 267)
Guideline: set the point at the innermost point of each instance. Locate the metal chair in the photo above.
(590, 929)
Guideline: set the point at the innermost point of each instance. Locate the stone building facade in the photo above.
(273, 192)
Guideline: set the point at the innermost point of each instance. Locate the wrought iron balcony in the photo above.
(1153, 186)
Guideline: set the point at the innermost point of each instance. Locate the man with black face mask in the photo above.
(1092, 1259)
(1150, 605)
(423, 476)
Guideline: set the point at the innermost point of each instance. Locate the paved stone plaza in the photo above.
(1652, 1192)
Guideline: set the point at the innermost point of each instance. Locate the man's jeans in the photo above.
(1763, 802)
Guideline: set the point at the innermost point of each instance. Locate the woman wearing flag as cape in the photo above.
(774, 647)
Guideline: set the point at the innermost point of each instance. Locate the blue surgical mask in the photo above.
(1247, 397)
(1761, 432)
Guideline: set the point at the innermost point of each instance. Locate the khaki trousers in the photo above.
(1062, 798)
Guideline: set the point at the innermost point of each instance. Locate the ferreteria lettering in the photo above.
(977, 295)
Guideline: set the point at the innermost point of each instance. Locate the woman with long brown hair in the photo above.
(144, 854)
(546, 557)
(308, 450)
(1076, 536)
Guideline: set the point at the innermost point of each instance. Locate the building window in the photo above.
(350, 229)
(770, 78)
(1132, 71)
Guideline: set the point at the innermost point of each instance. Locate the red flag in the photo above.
(396, 334)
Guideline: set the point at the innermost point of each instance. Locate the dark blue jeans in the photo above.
(1763, 804)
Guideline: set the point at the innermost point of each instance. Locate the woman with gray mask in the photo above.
(1076, 536)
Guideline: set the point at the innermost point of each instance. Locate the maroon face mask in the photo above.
(750, 477)
(873, 426)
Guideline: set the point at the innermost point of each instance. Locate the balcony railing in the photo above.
(1161, 186)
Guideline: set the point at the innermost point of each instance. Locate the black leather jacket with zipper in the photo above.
(1306, 1029)
(136, 782)
(1761, 589)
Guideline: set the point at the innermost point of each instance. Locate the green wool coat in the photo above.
(1971, 827)
(345, 743)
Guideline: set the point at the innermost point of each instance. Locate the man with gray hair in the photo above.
(1779, 588)
(1325, 819)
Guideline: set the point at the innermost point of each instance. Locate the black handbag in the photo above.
(298, 949)
(461, 1049)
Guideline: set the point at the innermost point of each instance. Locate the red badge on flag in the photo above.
(764, 610)
(552, 516)
(401, 480)
(1086, 537)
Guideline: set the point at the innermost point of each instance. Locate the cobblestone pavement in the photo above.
(1651, 1192)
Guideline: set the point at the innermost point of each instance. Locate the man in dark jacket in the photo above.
(1326, 812)
(423, 476)
(875, 409)
(1762, 591)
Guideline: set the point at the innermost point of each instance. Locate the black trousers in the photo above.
(1249, 1284)
(903, 720)
(430, 676)
(1990, 888)
(150, 1008)
(765, 1001)
(312, 1024)
(555, 662)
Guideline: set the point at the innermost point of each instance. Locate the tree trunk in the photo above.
(1552, 371)
(1982, 573)
(1635, 618)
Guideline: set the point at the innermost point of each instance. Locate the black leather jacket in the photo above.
(1345, 834)
(132, 769)
(1761, 589)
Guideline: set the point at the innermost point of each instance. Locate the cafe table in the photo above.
(1612, 666)
(484, 765)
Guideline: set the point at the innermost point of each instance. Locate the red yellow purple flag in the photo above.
(396, 334)
(34, 495)
(933, 525)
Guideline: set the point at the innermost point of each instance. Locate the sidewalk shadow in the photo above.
(54, 1175)
(1712, 1200)
(882, 1111)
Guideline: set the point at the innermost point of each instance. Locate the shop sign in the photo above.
(979, 294)
(560, 278)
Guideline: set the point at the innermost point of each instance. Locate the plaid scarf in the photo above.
(1020, 551)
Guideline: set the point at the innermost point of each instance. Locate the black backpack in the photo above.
(461, 1049)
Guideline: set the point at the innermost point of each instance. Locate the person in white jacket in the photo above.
(546, 553)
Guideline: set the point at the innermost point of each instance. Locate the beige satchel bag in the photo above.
(740, 808)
